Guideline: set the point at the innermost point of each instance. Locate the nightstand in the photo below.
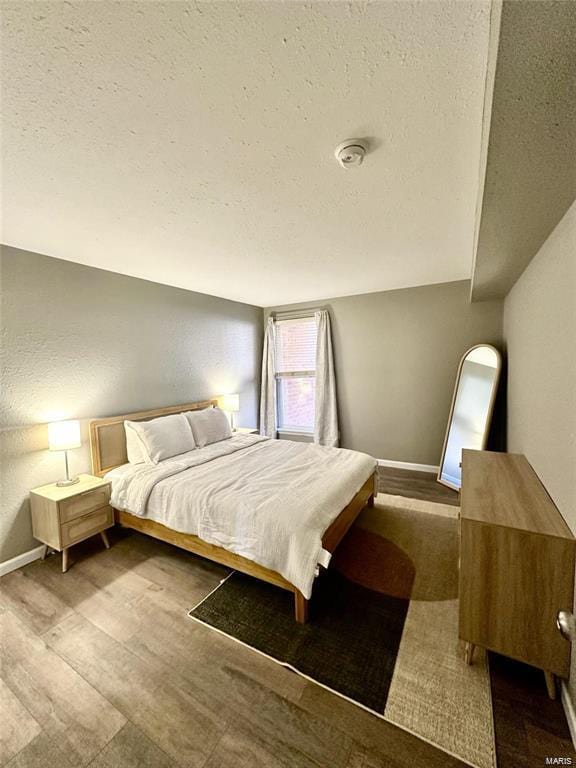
(246, 431)
(63, 516)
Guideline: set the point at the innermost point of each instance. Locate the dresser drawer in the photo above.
(88, 525)
(76, 506)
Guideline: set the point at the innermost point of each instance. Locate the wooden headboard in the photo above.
(108, 440)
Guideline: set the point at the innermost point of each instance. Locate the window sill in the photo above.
(292, 434)
(283, 431)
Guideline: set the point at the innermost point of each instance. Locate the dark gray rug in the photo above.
(349, 645)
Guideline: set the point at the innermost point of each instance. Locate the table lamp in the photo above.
(63, 435)
(230, 404)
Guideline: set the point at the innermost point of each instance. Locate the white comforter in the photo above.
(270, 501)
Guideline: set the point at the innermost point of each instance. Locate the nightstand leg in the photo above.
(469, 653)
(45, 552)
(65, 560)
(105, 539)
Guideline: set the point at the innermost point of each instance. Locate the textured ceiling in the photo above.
(531, 164)
(192, 143)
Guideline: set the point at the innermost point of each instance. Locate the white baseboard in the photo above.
(20, 560)
(569, 710)
(408, 465)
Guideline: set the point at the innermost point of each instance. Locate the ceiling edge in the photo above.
(491, 60)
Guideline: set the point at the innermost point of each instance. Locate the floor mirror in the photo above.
(471, 410)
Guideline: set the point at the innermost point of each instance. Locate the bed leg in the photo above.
(372, 497)
(300, 607)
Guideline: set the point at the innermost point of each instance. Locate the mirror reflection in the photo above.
(471, 411)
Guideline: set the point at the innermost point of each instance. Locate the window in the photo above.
(296, 373)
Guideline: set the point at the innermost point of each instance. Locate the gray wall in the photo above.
(397, 355)
(540, 330)
(82, 343)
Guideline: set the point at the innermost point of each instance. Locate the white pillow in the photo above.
(209, 426)
(164, 437)
(135, 448)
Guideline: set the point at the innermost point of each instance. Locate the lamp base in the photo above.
(64, 483)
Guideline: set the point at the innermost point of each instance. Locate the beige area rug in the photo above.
(387, 610)
(433, 692)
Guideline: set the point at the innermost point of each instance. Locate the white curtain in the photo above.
(326, 419)
(268, 387)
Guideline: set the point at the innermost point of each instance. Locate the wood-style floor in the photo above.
(415, 485)
(101, 667)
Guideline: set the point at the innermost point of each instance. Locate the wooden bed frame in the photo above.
(108, 449)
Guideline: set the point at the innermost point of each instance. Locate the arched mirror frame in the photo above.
(488, 416)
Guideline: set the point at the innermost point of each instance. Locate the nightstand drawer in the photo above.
(88, 525)
(79, 505)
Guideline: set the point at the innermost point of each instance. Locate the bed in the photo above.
(297, 500)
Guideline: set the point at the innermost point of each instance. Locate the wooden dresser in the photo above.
(516, 563)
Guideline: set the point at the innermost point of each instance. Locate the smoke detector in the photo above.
(350, 153)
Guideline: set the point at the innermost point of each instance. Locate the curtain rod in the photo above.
(295, 314)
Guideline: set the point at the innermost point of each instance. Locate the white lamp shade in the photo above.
(63, 435)
(230, 403)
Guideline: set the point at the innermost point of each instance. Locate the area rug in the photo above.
(383, 631)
